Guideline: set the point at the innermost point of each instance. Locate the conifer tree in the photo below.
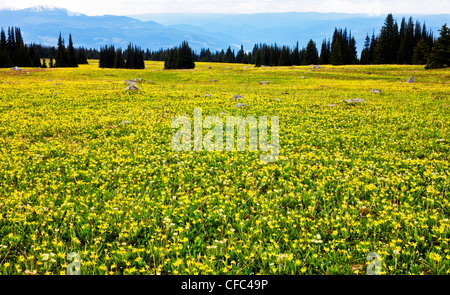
(72, 57)
(365, 53)
(421, 52)
(440, 54)
(2, 40)
(285, 57)
(119, 62)
(325, 52)
(311, 54)
(385, 51)
(61, 59)
(295, 56)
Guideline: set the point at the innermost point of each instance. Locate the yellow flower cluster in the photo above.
(87, 167)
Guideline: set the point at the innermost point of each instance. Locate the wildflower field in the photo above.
(87, 167)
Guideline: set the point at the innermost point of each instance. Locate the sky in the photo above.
(130, 7)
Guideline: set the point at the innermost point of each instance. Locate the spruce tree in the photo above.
(325, 52)
(61, 59)
(440, 54)
(285, 57)
(311, 54)
(119, 62)
(2, 40)
(72, 57)
(185, 57)
(421, 53)
(385, 51)
(365, 53)
(295, 56)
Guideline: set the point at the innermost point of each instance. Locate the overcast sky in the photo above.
(129, 7)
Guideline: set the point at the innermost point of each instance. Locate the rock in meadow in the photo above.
(264, 82)
(411, 80)
(16, 68)
(212, 80)
(241, 105)
(134, 81)
(132, 87)
(207, 95)
(376, 91)
(277, 99)
(354, 100)
(316, 67)
(237, 96)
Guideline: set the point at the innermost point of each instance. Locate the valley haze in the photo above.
(42, 25)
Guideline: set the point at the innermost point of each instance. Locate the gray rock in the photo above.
(241, 105)
(212, 80)
(134, 81)
(209, 68)
(208, 95)
(132, 87)
(411, 80)
(368, 73)
(376, 91)
(331, 105)
(264, 82)
(354, 100)
(277, 99)
(16, 68)
(237, 96)
(316, 67)
(125, 122)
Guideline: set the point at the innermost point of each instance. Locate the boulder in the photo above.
(264, 82)
(16, 68)
(132, 87)
(134, 81)
(376, 91)
(411, 80)
(125, 122)
(241, 105)
(237, 96)
(207, 95)
(354, 100)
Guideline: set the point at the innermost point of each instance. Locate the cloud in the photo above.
(118, 7)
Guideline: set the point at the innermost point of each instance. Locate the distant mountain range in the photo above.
(43, 24)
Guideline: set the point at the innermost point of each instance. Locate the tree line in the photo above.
(131, 58)
(407, 43)
(13, 52)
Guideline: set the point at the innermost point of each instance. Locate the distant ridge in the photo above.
(42, 24)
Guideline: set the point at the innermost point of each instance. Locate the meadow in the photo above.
(87, 167)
